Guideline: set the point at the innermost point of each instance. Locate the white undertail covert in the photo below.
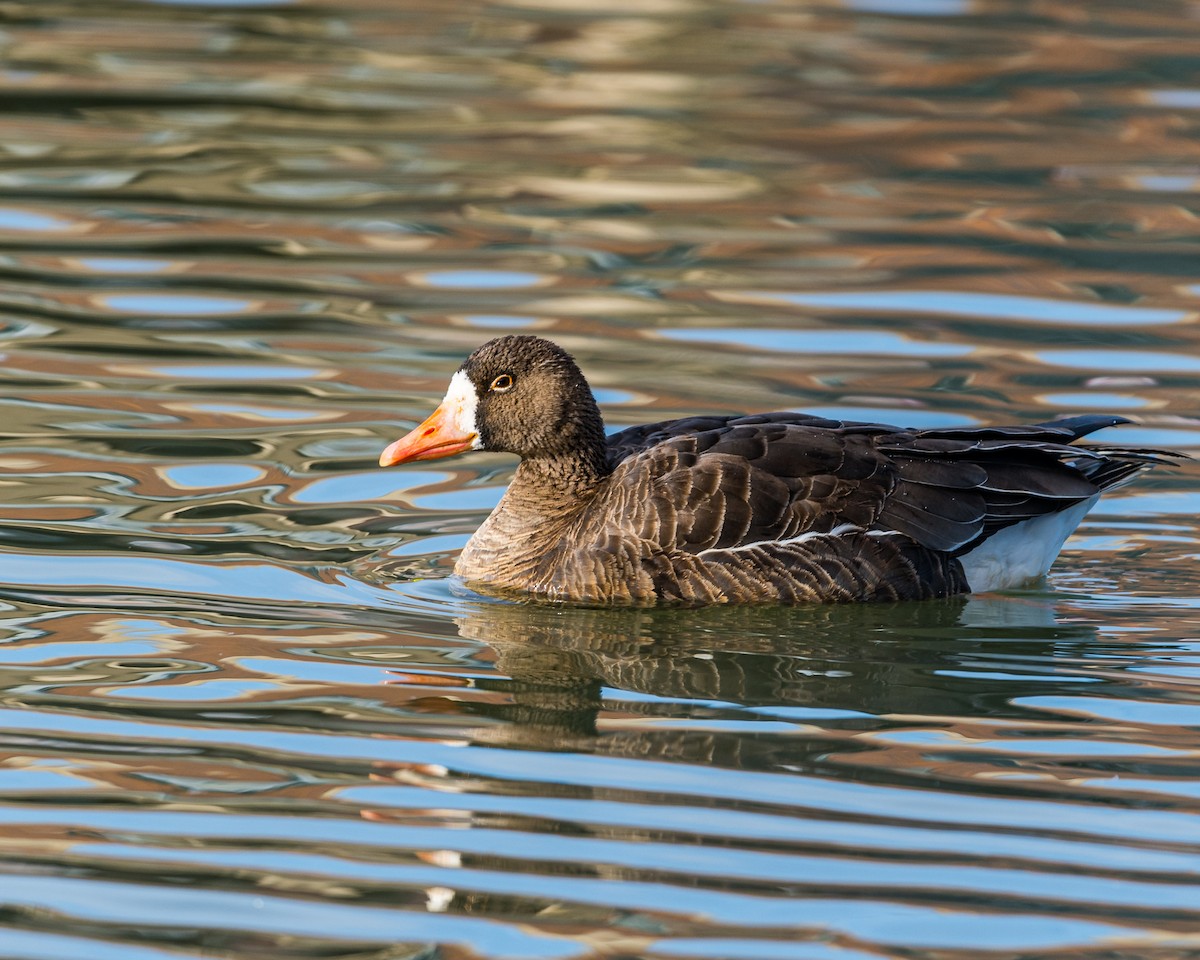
(1022, 552)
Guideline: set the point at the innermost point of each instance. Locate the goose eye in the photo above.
(502, 383)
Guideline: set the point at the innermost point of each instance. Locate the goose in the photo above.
(769, 508)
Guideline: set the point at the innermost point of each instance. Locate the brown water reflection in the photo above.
(244, 712)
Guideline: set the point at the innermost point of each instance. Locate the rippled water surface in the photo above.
(242, 247)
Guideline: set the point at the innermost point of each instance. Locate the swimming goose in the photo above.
(772, 507)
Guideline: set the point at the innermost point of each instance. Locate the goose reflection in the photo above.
(566, 666)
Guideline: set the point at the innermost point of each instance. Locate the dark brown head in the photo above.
(516, 394)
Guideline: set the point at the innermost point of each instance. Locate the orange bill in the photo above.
(437, 437)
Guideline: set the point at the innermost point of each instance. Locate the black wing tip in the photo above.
(1082, 425)
(1089, 423)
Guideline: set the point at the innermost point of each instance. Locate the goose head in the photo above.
(515, 394)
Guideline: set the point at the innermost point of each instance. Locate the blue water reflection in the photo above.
(372, 485)
(1124, 360)
(984, 306)
(900, 415)
(1094, 401)
(33, 653)
(823, 341)
(195, 691)
(15, 218)
(482, 279)
(180, 305)
(203, 476)
(262, 581)
(127, 265)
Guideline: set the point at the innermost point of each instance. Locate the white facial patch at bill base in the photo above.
(460, 402)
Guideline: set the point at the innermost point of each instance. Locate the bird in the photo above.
(780, 507)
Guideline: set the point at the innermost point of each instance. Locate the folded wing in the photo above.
(706, 484)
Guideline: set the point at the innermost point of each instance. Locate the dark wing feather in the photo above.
(717, 482)
(633, 440)
(1054, 431)
(726, 482)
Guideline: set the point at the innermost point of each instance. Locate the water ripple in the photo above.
(246, 710)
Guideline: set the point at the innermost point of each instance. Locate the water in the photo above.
(243, 246)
